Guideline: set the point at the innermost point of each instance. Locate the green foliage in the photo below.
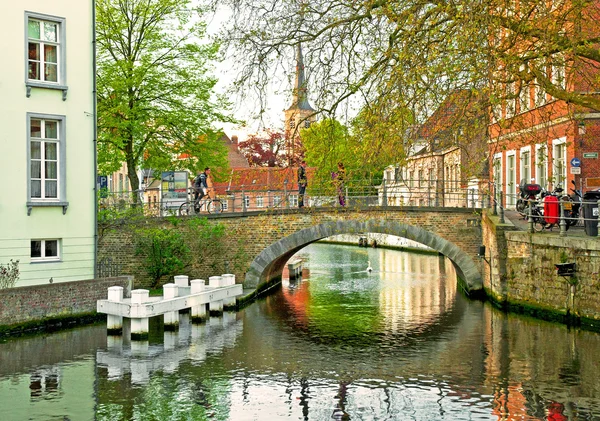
(9, 274)
(163, 250)
(328, 142)
(205, 239)
(156, 99)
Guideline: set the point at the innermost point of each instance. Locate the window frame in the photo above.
(526, 150)
(541, 166)
(44, 258)
(557, 165)
(511, 182)
(259, 202)
(61, 83)
(61, 200)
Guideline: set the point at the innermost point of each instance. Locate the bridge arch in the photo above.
(269, 264)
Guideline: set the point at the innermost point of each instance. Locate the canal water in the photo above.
(399, 343)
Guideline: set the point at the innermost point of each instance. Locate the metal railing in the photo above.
(254, 197)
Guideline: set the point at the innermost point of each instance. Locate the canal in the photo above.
(399, 343)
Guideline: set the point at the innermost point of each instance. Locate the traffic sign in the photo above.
(575, 162)
(575, 170)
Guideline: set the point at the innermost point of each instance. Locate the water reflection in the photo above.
(400, 343)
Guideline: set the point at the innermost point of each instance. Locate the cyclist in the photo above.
(200, 187)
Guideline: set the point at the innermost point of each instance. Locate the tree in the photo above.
(266, 149)
(156, 101)
(416, 52)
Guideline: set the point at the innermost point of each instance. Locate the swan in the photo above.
(369, 268)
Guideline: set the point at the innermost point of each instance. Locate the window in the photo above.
(541, 169)
(558, 72)
(294, 200)
(276, 201)
(306, 124)
(45, 52)
(246, 201)
(46, 158)
(497, 168)
(559, 162)
(524, 97)
(526, 165)
(259, 202)
(420, 178)
(540, 95)
(292, 124)
(510, 100)
(44, 250)
(511, 174)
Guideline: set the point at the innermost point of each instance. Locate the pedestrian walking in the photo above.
(339, 179)
(302, 183)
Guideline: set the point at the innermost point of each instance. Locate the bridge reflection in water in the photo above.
(400, 343)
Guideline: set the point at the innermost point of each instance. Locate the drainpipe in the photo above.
(95, 141)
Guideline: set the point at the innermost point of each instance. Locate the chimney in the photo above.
(234, 139)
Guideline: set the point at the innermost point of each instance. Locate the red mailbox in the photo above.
(551, 209)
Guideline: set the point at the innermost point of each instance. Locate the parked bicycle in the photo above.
(191, 207)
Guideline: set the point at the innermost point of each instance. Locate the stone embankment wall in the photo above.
(23, 308)
(521, 273)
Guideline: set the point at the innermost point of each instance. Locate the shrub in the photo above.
(164, 251)
(9, 274)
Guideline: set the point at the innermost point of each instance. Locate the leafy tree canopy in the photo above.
(416, 52)
(156, 99)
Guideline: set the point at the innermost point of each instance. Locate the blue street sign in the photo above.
(575, 162)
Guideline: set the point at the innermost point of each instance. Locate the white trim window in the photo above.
(259, 202)
(45, 51)
(294, 200)
(525, 169)
(46, 158)
(46, 250)
(558, 71)
(497, 172)
(246, 201)
(276, 201)
(511, 178)
(559, 161)
(541, 165)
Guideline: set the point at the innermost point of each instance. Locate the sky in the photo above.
(245, 110)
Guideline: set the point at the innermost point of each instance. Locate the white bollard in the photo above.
(114, 324)
(229, 304)
(215, 307)
(171, 318)
(181, 280)
(198, 312)
(139, 326)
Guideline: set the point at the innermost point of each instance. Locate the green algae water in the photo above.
(399, 343)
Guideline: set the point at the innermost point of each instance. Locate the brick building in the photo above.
(534, 134)
(446, 157)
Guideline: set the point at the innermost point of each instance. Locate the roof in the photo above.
(262, 178)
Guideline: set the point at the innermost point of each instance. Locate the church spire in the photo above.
(299, 95)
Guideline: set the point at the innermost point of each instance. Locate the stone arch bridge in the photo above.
(271, 238)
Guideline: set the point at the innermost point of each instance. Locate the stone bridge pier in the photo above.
(453, 232)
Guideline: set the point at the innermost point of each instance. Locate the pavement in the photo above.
(520, 222)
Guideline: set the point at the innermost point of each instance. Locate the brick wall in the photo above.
(39, 303)
(248, 235)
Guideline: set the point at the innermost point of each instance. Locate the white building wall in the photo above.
(73, 225)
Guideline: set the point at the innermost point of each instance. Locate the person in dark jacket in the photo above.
(302, 183)
(200, 188)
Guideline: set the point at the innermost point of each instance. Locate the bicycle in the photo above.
(190, 207)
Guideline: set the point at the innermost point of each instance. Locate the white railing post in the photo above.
(114, 324)
(198, 312)
(229, 304)
(215, 307)
(171, 317)
(139, 326)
